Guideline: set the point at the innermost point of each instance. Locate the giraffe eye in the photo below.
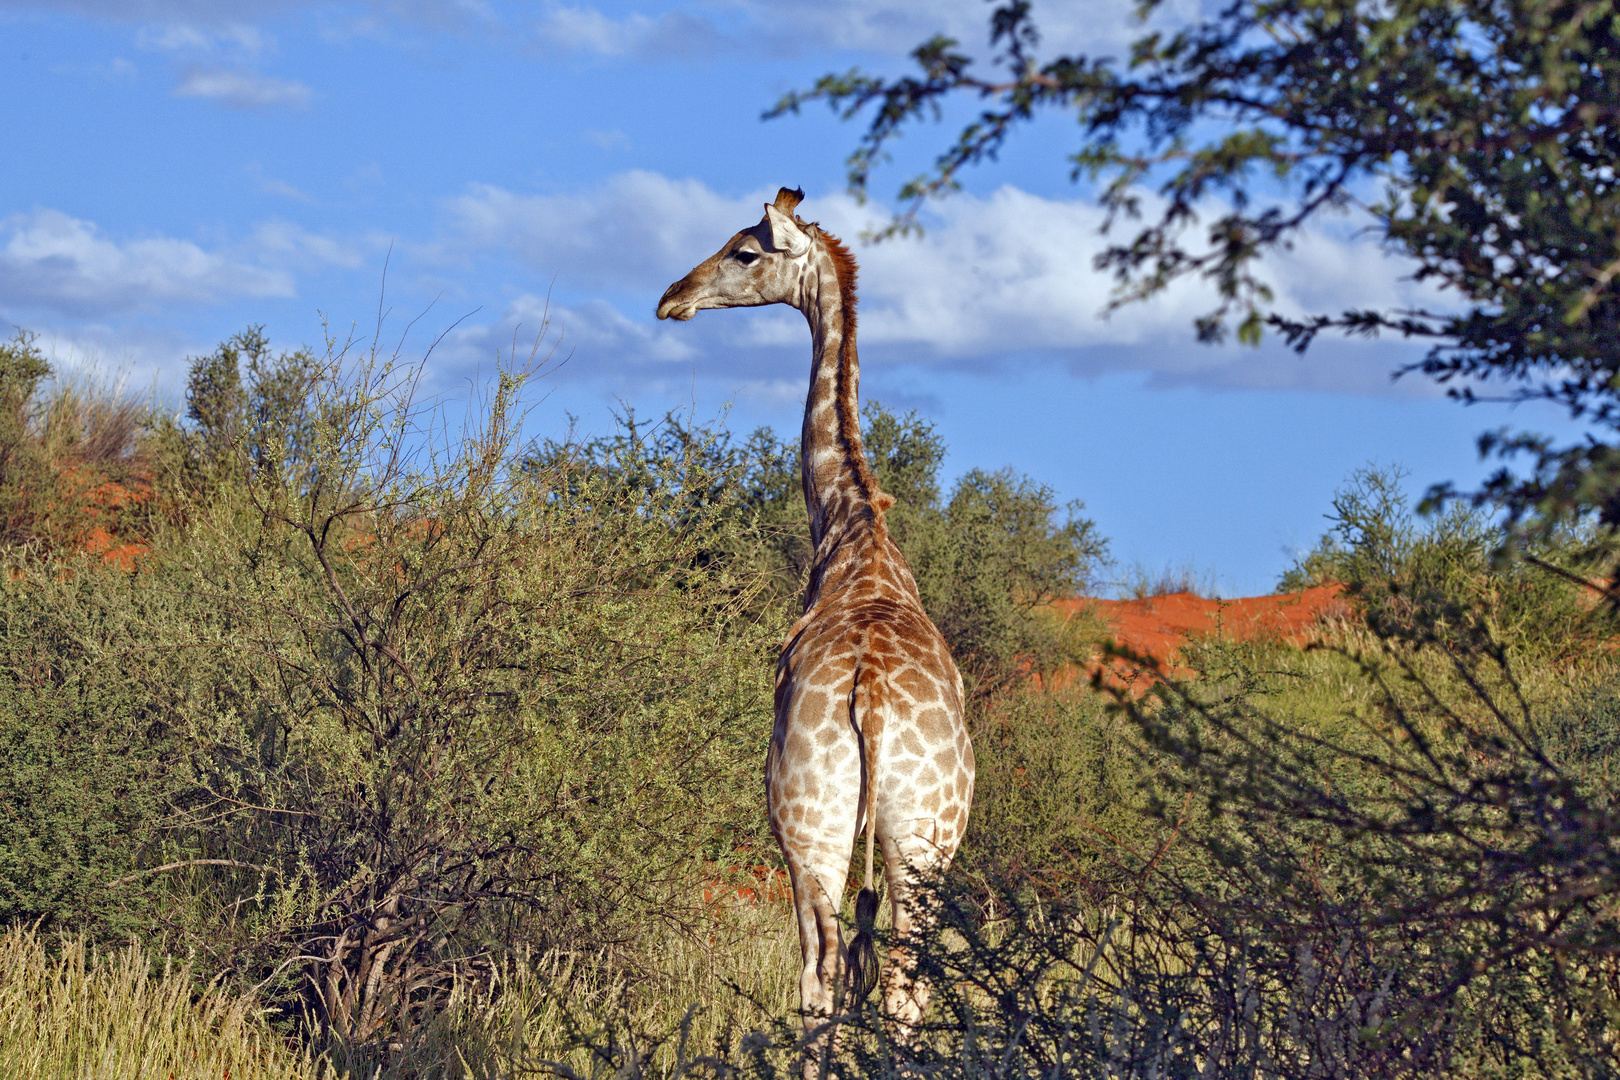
(746, 257)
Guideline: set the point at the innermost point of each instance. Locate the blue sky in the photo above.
(176, 170)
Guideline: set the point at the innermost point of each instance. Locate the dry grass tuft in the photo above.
(93, 421)
(549, 1009)
(84, 1015)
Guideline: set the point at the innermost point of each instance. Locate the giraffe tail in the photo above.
(869, 717)
(863, 955)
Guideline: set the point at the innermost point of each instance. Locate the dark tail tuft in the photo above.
(863, 957)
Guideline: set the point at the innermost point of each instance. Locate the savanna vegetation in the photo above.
(346, 737)
(342, 735)
(377, 724)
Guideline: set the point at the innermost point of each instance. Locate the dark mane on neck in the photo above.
(849, 425)
(844, 265)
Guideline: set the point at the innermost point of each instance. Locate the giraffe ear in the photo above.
(786, 235)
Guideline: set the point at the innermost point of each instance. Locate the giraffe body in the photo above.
(869, 735)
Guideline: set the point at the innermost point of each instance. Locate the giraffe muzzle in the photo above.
(674, 305)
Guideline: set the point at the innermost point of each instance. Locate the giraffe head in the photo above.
(760, 265)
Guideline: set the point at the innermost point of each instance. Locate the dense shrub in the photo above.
(988, 560)
(378, 709)
(1448, 581)
(1058, 801)
(87, 757)
(75, 470)
(461, 706)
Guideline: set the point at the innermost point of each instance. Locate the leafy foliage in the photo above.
(382, 705)
(429, 743)
(22, 473)
(753, 488)
(1444, 582)
(86, 762)
(987, 560)
(475, 704)
(74, 467)
(257, 419)
(1477, 138)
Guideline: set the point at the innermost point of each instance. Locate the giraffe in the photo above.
(869, 734)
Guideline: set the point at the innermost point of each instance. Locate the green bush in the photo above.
(86, 760)
(1058, 802)
(1449, 581)
(429, 740)
(988, 559)
(459, 706)
(61, 442)
(236, 420)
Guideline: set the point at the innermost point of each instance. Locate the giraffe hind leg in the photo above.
(822, 950)
(908, 859)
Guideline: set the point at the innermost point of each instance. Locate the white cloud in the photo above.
(271, 186)
(219, 64)
(142, 362)
(895, 27)
(227, 12)
(117, 69)
(242, 89)
(589, 30)
(1004, 279)
(285, 242)
(53, 262)
(612, 139)
(191, 38)
(1006, 276)
(592, 340)
(648, 29)
(629, 234)
(565, 29)
(898, 26)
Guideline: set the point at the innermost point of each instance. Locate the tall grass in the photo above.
(572, 1012)
(73, 1013)
(1142, 582)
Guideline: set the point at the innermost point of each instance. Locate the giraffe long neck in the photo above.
(839, 487)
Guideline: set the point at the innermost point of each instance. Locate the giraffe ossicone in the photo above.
(869, 735)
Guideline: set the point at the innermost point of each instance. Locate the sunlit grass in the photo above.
(738, 976)
(72, 1013)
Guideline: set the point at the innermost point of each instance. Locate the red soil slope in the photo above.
(101, 537)
(1157, 627)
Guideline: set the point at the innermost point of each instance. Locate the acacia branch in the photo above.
(126, 879)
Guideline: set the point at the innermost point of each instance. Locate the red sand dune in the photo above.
(105, 500)
(1156, 627)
